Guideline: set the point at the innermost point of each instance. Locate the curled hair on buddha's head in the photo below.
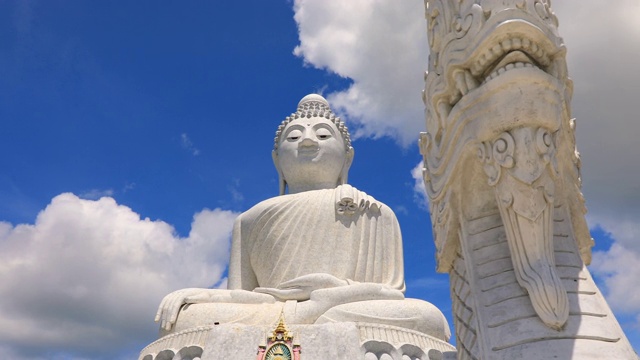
(314, 105)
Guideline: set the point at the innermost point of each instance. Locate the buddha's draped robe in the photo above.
(343, 232)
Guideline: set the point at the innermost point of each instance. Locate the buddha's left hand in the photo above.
(321, 300)
(301, 287)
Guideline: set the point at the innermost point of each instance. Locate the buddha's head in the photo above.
(312, 148)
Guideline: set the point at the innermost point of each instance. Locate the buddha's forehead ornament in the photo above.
(311, 106)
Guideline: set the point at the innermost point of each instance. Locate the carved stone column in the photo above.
(519, 167)
(503, 178)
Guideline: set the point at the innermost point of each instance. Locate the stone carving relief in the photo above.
(503, 177)
(473, 44)
(519, 163)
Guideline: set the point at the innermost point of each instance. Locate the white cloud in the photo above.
(380, 45)
(88, 276)
(620, 273)
(187, 144)
(419, 191)
(234, 190)
(603, 52)
(603, 44)
(95, 194)
(128, 186)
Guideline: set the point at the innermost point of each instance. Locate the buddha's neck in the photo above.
(298, 188)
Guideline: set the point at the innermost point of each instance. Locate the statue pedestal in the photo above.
(347, 340)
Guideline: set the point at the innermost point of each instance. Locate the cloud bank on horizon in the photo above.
(383, 49)
(85, 263)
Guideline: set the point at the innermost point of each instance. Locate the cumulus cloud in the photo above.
(382, 47)
(95, 194)
(419, 191)
(88, 276)
(620, 281)
(617, 270)
(603, 52)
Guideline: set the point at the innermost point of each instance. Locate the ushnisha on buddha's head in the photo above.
(312, 148)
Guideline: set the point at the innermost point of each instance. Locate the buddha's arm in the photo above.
(301, 287)
(171, 304)
(333, 289)
(356, 292)
(241, 276)
(322, 300)
(393, 267)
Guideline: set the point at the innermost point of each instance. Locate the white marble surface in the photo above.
(345, 340)
(323, 252)
(503, 176)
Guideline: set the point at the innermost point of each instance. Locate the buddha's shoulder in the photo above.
(351, 195)
(265, 205)
(262, 206)
(343, 195)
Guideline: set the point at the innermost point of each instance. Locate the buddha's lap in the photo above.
(412, 314)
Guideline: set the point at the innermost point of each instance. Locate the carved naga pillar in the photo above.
(503, 179)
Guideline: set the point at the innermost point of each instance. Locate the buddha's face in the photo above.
(311, 154)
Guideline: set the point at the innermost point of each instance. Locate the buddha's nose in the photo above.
(308, 140)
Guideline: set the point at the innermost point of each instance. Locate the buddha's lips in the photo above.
(308, 151)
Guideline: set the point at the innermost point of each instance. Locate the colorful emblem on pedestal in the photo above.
(279, 345)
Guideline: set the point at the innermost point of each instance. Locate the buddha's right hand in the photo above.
(171, 304)
(301, 287)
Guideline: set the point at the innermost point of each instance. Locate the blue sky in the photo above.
(167, 111)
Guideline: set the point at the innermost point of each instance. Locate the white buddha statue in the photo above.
(320, 252)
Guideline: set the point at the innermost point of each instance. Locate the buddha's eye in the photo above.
(323, 134)
(294, 135)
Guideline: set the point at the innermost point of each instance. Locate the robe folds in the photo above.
(342, 232)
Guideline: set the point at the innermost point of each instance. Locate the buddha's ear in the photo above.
(281, 183)
(344, 174)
